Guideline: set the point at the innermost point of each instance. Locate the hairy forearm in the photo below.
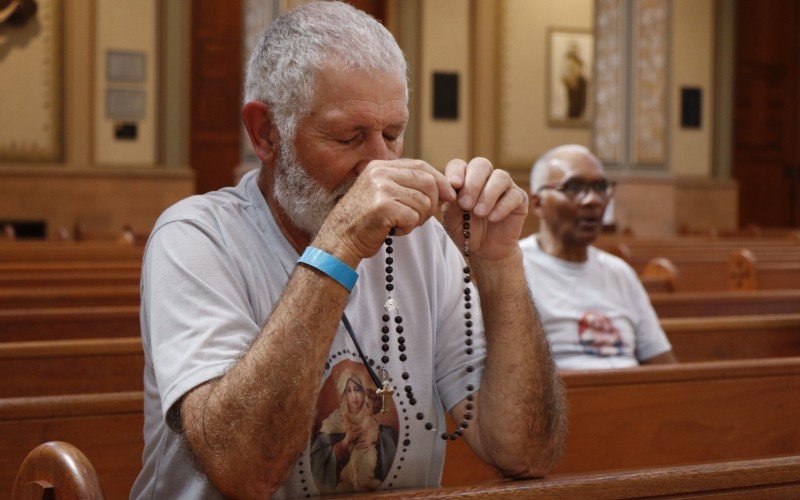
(247, 427)
(521, 421)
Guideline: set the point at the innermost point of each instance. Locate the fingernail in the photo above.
(466, 202)
(480, 209)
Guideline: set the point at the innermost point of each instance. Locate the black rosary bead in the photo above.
(466, 215)
(399, 329)
(385, 359)
(408, 388)
(385, 338)
(405, 375)
(389, 249)
(401, 347)
(458, 432)
(468, 333)
(389, 261)
(444, 436)
(467, 291)
(466, 270)
(469, 350)
(403, 357)
(468, 406)
(412, 401)
(470, 368)
(469, 397)
(467, 305)
(401, 340)
(464, 424)
(389, 278)
(389, 269)
(468, 324)
(385, 347)
(468, 342)
(470, 387)
(385, 317)
(385, 329)
(428, 426)
(466, 316)
(388, 241)
(406, 442)
(467, 279)
(389, 287)
(398, 319)
(420, 416)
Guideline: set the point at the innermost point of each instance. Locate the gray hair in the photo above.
(283, 66)
(541, 168)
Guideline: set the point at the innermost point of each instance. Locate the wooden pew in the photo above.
(689, 304)
(107, 428)
(752, 271)
(43, 269)
(777, 477)
(69, 278)
(60, 251)
(672, 415)
(56, 469)
(667, 415)
(734, 337)
(67, 296)
(70, 367)
(68, 323)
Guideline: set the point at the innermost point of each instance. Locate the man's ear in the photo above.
(261, 130)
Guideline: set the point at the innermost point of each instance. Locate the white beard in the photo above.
(304, 200)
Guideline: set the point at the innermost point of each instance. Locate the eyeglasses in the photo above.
(576, 189)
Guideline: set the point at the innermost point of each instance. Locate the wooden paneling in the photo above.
(216, 92)
(766, 102)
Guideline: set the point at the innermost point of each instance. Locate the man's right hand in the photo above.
(401, 194)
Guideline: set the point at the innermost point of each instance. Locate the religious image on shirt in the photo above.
(598, 335)
(353, 444)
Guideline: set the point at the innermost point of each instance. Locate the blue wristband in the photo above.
(330, 265)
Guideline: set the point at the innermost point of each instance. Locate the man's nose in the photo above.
(592, 197)
(377, 148)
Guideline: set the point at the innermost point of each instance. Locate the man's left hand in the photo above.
(497, 205)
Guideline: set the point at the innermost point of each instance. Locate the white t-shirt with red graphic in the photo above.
(596, 313)
(214, 267)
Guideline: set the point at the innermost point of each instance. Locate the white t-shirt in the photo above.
(215, 266)
(596, 313)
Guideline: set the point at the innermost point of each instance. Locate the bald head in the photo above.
(554, 164)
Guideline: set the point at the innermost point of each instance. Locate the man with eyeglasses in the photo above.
(593, 307)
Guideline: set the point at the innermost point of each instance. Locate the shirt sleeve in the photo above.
(197, 317)
(650, 337)
(452, 377)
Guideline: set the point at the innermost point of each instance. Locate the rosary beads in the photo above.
(391, 306)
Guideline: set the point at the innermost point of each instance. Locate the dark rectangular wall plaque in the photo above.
(691, 107)
(445, 96)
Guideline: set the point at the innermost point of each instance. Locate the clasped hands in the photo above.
(404, 193)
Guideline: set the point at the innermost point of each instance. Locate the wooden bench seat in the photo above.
(67, 296)
(43, 269)
(107, 428)
(690, 304)
(734, 337)
(68, 323)
(69, 278)
(57, 251)
(667, 415)
(70, 366)
(777, 477)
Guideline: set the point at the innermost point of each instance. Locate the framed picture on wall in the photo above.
(570, 57)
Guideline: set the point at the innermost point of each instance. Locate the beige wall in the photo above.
(692, 63)
(445, 37)
(524, 131)
(126, 25)
(80, 189)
